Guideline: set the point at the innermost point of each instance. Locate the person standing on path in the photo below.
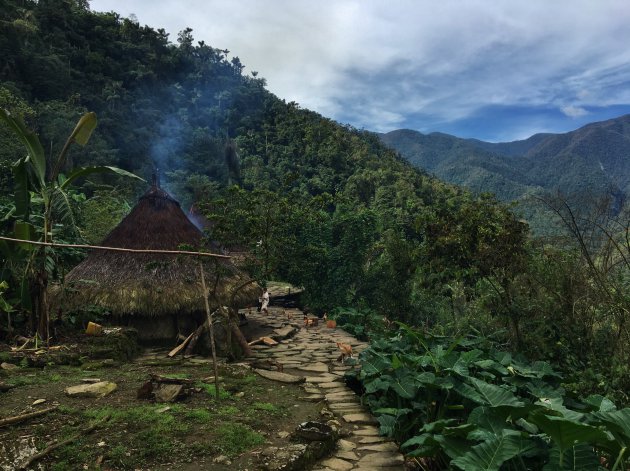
(265, 301)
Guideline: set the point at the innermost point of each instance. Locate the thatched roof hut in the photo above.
(137, 286)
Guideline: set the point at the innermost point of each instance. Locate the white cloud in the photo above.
(573, 111)
(374, 62)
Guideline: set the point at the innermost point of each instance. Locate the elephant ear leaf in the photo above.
(567, 433)
(618, 422)
(577, 458)
(491, 454)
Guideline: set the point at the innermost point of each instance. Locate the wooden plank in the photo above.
(181, 346)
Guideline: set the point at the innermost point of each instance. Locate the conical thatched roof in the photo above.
(153, 284)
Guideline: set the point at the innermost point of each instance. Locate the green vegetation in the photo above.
(233, 439)
(462, 404)
(372, 240)
(586, 166)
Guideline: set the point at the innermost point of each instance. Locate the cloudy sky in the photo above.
(490, 69)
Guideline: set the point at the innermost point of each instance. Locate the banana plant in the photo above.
(33, 185)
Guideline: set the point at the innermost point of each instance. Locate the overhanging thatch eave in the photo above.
(151, 301)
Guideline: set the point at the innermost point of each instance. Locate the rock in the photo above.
(384, 446)
(292, 458)
(359, 419)
(168, 392)
(370, 440)
(284, 332)
(8, 366)
(382, 460)
(39, 401)
(346, 445)
(317, 367)
(283, 434)
(222, 459)
(337, 464)
(91, 380)
(368, 431)
(282, 377)
(347, 455)
(95, 390)
(314, 431)
(161, 410)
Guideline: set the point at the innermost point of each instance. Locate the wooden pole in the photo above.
(211, 327)
(21, 418)
(114, 249)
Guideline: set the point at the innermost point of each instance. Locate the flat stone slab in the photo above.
(337, 464)
(284, 332)
(382, 460)
(100, 389)
(359, 418)
(347, 455)
(332, 385)
(368, 440)
(346, 445)
(340, 395)
(281, 377)
(325, 378)
(385, 446)
(317, 367)
(367, 431)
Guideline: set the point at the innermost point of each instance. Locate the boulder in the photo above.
(100, 389)
(282, 377)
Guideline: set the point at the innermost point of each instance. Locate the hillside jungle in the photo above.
(485, 341)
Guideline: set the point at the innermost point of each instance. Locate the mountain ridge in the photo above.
(587, 164)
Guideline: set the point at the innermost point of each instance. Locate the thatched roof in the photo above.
(153, 284)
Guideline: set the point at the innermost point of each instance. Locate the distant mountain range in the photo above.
(585, 165)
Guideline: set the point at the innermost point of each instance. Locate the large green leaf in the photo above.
(600, 403)
(577, 458)
(381, 383)
(489, 423)
(487, 394)
(404, 383)
(85, 171)
(84, 128)
(618, 423)
(31, 142)
(491, 454)
(567, 433)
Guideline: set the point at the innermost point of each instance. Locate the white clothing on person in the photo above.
(265, 301)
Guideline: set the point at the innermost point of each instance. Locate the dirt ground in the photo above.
(198, 432)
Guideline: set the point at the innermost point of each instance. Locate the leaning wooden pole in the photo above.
(114, 249)
(211, 327)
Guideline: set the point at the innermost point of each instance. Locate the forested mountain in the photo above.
(324, 206)
(589, 164)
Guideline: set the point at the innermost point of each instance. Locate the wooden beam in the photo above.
(115, 249)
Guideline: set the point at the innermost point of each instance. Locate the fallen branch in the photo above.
(54, 445)
(266, 340)
(21, 418)
(195, 338)
(115, 249)
(180, 347)
(42, 349)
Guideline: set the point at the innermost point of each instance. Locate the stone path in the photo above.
(313, 353)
